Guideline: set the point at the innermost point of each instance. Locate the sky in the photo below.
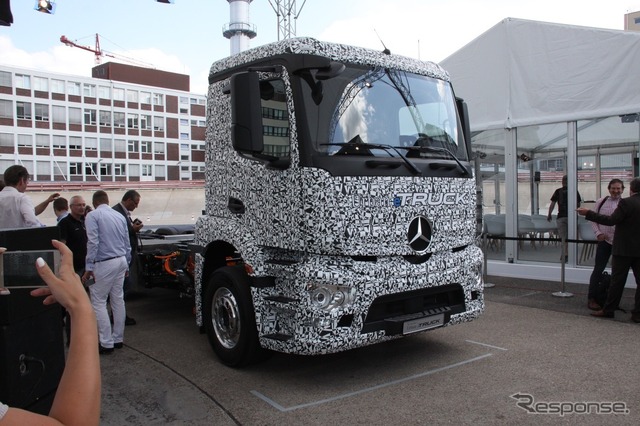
(186, 37)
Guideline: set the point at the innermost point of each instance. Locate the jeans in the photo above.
(603, 253)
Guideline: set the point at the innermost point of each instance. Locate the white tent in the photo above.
(523, 72)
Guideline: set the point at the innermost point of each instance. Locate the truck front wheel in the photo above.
(229, 317)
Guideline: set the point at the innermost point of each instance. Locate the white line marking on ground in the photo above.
(365, 390)
(487, 345)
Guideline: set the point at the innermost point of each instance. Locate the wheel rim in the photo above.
(225, 316)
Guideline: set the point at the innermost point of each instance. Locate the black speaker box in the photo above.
(31, 343)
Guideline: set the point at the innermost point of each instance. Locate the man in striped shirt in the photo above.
(604, 235)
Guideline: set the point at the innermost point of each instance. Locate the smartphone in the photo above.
(137, 221)
(18, 268)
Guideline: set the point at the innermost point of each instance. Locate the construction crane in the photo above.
(99, 53)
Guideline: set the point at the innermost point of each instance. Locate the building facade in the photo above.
(124, 124)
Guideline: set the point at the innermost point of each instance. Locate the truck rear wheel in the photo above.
(229, 317)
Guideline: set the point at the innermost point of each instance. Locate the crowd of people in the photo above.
(97, 246)
(103, 242)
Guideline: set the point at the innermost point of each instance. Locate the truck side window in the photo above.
(275, 118)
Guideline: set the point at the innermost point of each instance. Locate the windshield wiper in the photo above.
(356, 142)
(434, 149)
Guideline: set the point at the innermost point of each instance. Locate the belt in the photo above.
(109, 258)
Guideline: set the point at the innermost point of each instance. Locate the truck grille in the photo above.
(448, 298)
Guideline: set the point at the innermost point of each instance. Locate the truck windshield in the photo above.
(383, 112)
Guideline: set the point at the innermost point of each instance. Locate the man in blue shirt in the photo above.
(108, 257)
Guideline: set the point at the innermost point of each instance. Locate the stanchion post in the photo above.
(563, 261)
(484, 269)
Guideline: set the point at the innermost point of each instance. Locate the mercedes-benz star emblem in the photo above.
(419, 234)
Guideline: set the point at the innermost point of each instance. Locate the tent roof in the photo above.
(523, 72)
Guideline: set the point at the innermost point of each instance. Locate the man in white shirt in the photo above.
(16, 208)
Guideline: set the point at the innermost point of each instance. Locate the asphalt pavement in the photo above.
(532, 358)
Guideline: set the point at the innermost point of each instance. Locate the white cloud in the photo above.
(75, 61)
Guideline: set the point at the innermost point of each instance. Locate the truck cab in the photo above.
(340, 202)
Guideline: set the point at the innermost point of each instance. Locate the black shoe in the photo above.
(129, 321)
(602, 314)
(118, 345)
(104, 351)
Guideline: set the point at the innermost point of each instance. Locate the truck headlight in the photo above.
(329, 297)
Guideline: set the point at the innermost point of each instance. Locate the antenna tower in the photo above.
(287, 12)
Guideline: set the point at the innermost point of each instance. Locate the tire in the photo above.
(229, 318)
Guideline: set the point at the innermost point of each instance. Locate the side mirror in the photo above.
(246, 114)
(463, 114)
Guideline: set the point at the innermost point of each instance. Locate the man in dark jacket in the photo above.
(129, 202)
(626, 249)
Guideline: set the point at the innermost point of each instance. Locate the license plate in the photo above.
(421, 324)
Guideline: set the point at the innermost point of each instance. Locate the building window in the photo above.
(90, 169)
(90, 144)
(160, 171)
(184, 100)
(41, 84)
(145, 147)
(58, 114)
(75, 169)
(132, 121)
(118, 119)
(23, 110)
(120, 145)
(158, 99)
(118, 94)
(75, 142)
(6, 109)
(158, 124)
(73, 88)
(132, 96)
(106, 144)
(275, 131)
(5, 79)
(145, 122)
(145, 98)
(42, 141)
(105, 118)
(158, 147)
(119, 170)
(105, 169)
(184, 158)
(6, 139)
(25, 141)
(59, 142)
(23, 81)
(184, 110)
(57, 86)
(89, 90)
(75, 116)
(104, 92)
(132, 146)
(90, 117)
(147, 170)
(193, 101)
(42, 112)
(275, 114)
(184, 121)
(184, 136)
